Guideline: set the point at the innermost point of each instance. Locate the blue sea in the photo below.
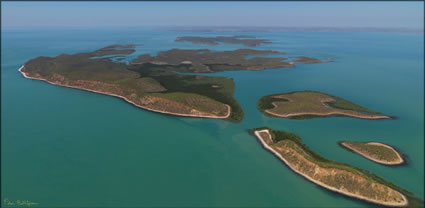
(63, 147)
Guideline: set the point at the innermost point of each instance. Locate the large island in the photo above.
(310, 104)
(159, 84)
(334, 176)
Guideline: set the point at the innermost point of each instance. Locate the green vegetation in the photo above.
(283, 139)
(278, 136)
(158, 83)
(140, 86)
(156, 86)
(265, 103)
(203, 60)
(225, 67)
(310, 104)
(347, 105)
(196, 84)
(306, 60)
(381, 153)
(78, 67)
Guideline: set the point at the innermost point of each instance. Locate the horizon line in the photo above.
(199, 28)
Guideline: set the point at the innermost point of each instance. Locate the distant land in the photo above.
(158, 83)
(236, 39)
(311, 104)
(286, 29)
(204, 60)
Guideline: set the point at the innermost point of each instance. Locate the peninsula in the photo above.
(377, 152)
(334, 176)
(237, 39)
(159, 84)
(310, 104)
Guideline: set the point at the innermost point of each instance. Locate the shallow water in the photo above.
(63, 147)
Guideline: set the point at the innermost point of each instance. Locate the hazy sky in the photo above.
(303, 14)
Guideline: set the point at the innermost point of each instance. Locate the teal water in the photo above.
(63, 147)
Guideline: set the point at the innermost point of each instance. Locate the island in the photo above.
(204, 60)
(311, 104)
(308, 60)
(375, 151)
(334, 176)
(236, 39)
(112, 50)
(160, 84)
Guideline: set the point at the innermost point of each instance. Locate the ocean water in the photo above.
(63, 147)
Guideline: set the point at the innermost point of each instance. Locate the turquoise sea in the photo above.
(63, 147)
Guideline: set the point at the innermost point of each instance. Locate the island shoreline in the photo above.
(229, 111)
(334, 113)
(329, 114)
(320, 184)
(400, 162)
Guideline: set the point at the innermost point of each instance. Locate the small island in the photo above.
(159, 84)
(377, 152)
(311, 104)
(308, 60)
(334, 176)
(236, 39)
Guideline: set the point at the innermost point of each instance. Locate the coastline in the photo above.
(267, 147)
(129, 101)
(401, 160)
(373, 117)
(363, 116)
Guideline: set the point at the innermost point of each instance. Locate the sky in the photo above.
(273, 14)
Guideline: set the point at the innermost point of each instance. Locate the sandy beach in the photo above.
(277, 154)
(328, 114)
(398, 162)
